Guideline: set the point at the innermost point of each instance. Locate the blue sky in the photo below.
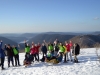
(21, 16)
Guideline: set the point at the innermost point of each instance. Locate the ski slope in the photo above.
(88, 66)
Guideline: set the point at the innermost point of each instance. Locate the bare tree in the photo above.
(97, 46)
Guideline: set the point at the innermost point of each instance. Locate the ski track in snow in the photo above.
(87, 66)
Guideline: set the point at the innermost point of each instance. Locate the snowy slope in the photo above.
(88, 66)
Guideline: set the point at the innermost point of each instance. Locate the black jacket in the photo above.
(9, 51)
(76, 50)
(56, 48)
(44, 49)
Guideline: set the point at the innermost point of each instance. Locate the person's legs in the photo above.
(70, 56)
(15, 57)
(55, 53)
(2, 63)
(43, 54)
(12, 60)
(67, 56)
(75, 59)
(35, 57)
(18, 60)
(38, 56)
(8, 61)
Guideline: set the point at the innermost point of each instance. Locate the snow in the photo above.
(88, 66)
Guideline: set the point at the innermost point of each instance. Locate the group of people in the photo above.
(12, 52)
(51, 52)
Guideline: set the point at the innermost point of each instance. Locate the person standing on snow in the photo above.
(44, 50)
(37, 51)
(10, 54)
(33, 52)
(2, 56)
(16, 55)
(27, 48)
(65, 53)
(56, 48)
(61, 49)
(76, 52)
(68, 51)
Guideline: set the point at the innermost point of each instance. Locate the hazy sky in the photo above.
(49, 15)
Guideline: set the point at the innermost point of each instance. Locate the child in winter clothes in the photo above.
(2, 56)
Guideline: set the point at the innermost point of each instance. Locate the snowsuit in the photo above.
(10, 55)
(16, 56)
(2, 56)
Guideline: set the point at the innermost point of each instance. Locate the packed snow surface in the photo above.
(88, 65)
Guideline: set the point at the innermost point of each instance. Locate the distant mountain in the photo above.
(96, 33)
(10, 34)
(83, 40)
(63, 33)
(74, 33)
(28, 35)
(50, 37)
(17, 39)
(86, 40)
(7, 41)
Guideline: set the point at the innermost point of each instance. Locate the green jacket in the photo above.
(27, 49)
(48, 54)
(61, 49)
(15, 51)
(50, 48)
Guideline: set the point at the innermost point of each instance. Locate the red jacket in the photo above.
(70, 44)
(68, 47)
(33, 50)
(37, 48)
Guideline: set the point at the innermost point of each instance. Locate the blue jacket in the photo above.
(59, 58)
(2, 53)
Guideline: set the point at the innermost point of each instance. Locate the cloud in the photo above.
(96, 18)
